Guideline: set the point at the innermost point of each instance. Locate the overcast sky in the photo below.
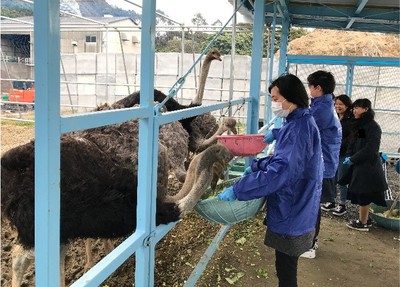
(182, 11)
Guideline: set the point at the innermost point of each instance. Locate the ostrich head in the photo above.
(228, 124)
(213, 54)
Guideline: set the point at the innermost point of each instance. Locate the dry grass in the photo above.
(346, 43)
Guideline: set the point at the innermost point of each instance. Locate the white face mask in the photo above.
(278, 110)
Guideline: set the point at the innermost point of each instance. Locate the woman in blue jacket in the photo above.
(291, 179)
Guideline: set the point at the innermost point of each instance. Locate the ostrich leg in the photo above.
(88, 253)
(63, 253)
(108, 246)
(21, 259)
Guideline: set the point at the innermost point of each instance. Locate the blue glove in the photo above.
(347, 161)
(247, 171)
(227, 194)
(269, 137)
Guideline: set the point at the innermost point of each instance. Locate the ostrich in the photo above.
(122, 138)
(98, 195)
(200, 128)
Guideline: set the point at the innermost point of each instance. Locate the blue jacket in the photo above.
(291, 179)
(323, 110)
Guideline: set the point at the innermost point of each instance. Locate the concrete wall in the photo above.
(90, 79)
(99, 78)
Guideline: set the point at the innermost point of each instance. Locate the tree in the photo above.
(217, 23)
(224, 43)
(15, 13)
(244, 38)
(161, 20)
(163, 39)
(199, 20)
(197, 41)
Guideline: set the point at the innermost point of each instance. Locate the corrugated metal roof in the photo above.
(352, 15)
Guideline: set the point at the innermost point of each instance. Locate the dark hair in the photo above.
(323, 79)
(345, 100)
(366, 104)
(292, 89)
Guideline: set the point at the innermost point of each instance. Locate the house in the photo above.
(78, 35)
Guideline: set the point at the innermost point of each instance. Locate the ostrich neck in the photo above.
(203, 77)
(211, 140)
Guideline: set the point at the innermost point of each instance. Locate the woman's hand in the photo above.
(227, 195)
(269, 137)
(347, 161)
(247, 171)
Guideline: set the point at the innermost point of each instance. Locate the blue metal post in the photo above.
(47, 142)
(349, 79)
(283, 53)
(148, 150)
(283, 45)
(255, 74)
(268, 115)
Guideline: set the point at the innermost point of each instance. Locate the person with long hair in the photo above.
(291, 179)
(343, 109)
(365, 176)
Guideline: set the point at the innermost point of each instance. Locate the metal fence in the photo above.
(379, 83)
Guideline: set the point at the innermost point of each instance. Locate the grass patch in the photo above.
(17, 123)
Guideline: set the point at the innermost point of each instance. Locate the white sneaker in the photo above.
(311, 253)
(328, 206)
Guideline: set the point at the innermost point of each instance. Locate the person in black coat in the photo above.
(366, 178)
(343, 106)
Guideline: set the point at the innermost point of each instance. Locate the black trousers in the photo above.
(286, 269)
(328, 184)
(317, 225)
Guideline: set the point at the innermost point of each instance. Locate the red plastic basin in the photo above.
(243, 145)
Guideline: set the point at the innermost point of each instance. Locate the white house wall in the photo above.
(114, 45)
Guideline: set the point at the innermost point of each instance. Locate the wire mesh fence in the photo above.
(91, 79)
(378, 84)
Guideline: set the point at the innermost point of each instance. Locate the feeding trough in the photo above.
(377, 213)
(228, 212)
(243, 145)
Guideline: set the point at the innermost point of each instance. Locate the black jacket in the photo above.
(366, 174)
(346, 131)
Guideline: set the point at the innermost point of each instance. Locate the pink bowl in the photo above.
(243, 145)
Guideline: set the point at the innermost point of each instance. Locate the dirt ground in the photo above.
(345, 257)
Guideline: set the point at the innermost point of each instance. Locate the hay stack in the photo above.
(346, 43)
